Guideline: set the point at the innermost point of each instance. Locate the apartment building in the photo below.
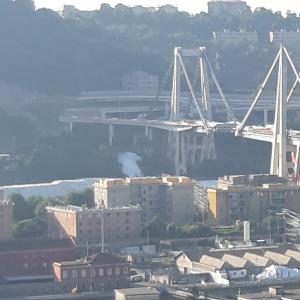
(171, 198)
(83, 225)
(6, 218)
(250, 197)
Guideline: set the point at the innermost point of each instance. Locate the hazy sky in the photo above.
(189, 5)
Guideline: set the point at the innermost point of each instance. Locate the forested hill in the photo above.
(43, 51)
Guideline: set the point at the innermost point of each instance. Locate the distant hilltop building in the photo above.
(233, 37)
(140, 81)
(230, 7)
(290, 39)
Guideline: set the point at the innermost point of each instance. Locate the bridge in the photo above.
(184, 142)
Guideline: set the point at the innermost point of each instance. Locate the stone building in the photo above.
(6, 218)
(101, 271)
(250, 197)
(83, 225)
(171, 198)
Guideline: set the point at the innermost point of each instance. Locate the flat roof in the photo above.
(138, 291)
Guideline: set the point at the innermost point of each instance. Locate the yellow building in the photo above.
(244, 198)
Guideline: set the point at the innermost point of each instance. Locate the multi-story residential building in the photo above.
(140, 81)
(228, 7)
(32, 258)
(6, 218)
(171, 198)
(101, 271)
(83, 225)
(250, 198)
(234, 37)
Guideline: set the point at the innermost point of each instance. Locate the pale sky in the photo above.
(188, 5)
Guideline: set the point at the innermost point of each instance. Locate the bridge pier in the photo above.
(111, 134)
(71, 127)
(149, 133)
(266, 118)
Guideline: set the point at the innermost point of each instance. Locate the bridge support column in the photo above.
(149, 133)
(279, 146)
(111, 134)
(178, 152)
(175, 100)
(71, 127)
(266, 118)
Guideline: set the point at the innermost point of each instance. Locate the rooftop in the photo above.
(142, 291)
(95, 259)
(34, 244)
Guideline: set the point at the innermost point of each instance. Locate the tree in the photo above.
(22, 209)
(30, 228)
(155, 228)
(85, 198)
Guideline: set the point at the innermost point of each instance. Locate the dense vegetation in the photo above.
(45, 53)
(30, 216)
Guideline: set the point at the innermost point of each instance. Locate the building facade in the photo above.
(101, 271)
(235, 37)
(171, 198)
(225, 7)
(33, 258)
(84, 225)
(250, 197)
(6, 218)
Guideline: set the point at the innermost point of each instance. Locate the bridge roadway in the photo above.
(167, 125)
(260, 133)
(237, 101)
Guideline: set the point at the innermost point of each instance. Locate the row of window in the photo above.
(95, 272)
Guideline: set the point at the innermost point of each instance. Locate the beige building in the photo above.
(145, 293)
(250, 197)
(6, 218)
(84, 225)
(171, 198)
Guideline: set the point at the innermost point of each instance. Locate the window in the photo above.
(83, 273)
(118, 271)
(44, 265)
(65, 274)
(26, 266)
(74, 274)
(125, 271)
(109, 271)
(93, 273)
(101, 272)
